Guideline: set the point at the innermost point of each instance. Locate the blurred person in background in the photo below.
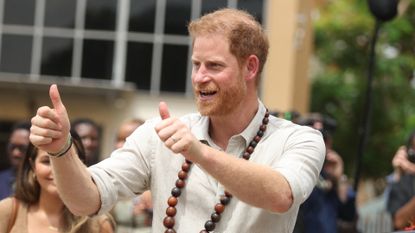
(138, 212)
(90, 133)
(16, 148)
(331, 206)
(37, 207)
(126, 129)
(401, 194)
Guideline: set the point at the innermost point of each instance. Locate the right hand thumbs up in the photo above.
(50, 126)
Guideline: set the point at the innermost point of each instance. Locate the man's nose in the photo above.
(200, 75)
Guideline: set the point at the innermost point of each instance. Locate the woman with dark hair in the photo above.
(37, 207)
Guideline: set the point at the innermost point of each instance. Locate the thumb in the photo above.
(164, 110)
(56, 98)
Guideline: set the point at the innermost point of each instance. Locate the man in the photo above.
(16, 149)
(89, 132)
(203, 150)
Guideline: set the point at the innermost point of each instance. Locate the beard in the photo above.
(227, 99)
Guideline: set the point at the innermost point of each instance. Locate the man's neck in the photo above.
(222, 128)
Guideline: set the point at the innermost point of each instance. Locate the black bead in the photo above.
(209, 225)
(225, 200)
(215, 217)
(260, 133)
(253, 144)
(175, 192)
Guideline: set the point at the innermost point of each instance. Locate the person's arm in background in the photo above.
(50, 132)
(405, 214)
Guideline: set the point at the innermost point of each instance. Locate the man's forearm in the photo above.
(252, 183)
(76, 188)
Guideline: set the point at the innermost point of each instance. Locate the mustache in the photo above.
(205, 87)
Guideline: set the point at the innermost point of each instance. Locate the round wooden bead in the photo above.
(263, 127)
(171, 211)
(257, 138)
(265, 120)
(172, 201)
(219, 208)
(186, 166)
(168, 222)
(182, 175)
(180, 183)
(250, 149)
(246, 155)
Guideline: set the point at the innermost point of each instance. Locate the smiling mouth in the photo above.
(207, 93)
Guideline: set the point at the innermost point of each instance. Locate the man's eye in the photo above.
(214, 65)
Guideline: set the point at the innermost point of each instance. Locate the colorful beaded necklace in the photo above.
(225, 199)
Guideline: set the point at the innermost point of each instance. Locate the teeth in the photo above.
(207, 93)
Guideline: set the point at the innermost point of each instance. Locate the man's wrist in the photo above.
(65, 148)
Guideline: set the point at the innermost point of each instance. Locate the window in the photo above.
(15, 54)
(60, 13)
(97, 59)
(19, 12)
(138, 70)
(173, 75)
(144, 42)
(57, 56)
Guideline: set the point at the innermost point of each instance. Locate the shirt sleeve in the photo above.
(300, 161)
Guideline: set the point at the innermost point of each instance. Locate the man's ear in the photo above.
(251, 67)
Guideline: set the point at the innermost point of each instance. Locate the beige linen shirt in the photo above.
(297, 152)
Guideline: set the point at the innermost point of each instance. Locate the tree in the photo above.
(342, 41)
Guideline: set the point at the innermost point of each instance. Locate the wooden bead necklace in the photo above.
(225, 199)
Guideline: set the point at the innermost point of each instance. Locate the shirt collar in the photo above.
(201, 131)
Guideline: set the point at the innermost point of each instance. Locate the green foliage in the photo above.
(343, 35)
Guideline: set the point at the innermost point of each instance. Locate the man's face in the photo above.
(17, 146)
(89, 136)
(217, 78)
